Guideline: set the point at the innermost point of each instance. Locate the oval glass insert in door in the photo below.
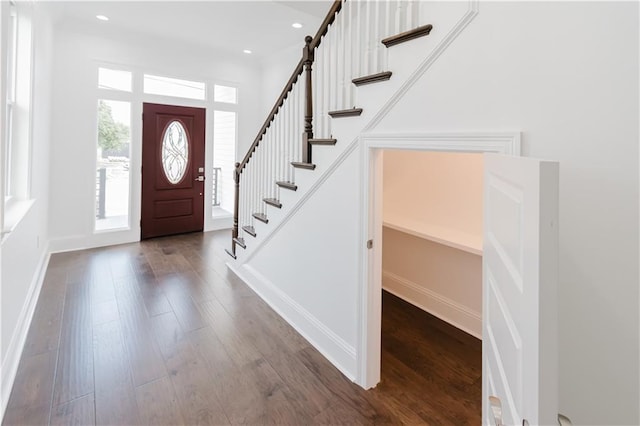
(175, 152)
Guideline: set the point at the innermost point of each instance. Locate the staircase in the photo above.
(318, 112)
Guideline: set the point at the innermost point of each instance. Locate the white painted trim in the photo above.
(82, 242)
(11, 361)
(331, 346)
(436, 304)
(504, 142)
(370, 288)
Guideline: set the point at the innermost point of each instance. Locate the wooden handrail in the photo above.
(315, 42)
(303, 65)
(283, 95)
(328, 20)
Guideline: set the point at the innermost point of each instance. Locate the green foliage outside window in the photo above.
(111, 135)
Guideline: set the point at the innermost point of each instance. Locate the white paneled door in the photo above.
(520, 273)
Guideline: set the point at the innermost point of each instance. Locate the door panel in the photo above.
(172, 161)
(520, 273)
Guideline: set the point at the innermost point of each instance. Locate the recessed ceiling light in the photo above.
(247, 51)
(296, 25)
(102, 17)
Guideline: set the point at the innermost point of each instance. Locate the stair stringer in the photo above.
(266, 263)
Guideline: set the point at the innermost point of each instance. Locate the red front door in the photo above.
(172, 170)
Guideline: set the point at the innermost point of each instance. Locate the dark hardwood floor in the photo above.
(161, 333)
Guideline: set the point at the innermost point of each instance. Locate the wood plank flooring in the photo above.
(162, 333)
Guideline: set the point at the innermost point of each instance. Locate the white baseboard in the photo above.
(218, 223)
(83, 242)
(340, 353)
(11, 361)
(437, 305)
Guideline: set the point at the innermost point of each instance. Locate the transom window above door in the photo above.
(167, 86)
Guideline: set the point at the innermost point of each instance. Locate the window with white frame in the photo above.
(8, 141)
(17, 132)
(225, 130)
(113, 159)
(167, 86)
(224, 158)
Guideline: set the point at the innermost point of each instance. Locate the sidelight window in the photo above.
(113, 165)
(224, 158)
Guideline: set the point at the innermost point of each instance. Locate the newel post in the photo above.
(307, 55)
(236, 205)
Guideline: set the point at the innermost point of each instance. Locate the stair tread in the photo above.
(240, 241)
(322, 141)
(407, 35)
(249, 230)
(346, 113)
(303, 165)
(273, 202)
(230, 253)
(261, 217)
(373, 78)
(287, 185)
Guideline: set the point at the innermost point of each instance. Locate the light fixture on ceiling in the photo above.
(102, 17)
(247, 51)
(296, 25)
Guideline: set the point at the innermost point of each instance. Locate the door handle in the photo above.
(496, 409)
(200, 178)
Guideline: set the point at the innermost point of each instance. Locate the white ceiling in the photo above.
(264, 27)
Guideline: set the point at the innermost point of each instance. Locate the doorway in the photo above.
(520, 272)
(173, 161)
(432, 279)
(368, 350)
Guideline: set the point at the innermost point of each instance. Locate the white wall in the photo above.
(442, 280)
(540, 68)
(432, 237)
(552, 71)
(24, 250)
(276, 70)
(79, 49)
(434, 191)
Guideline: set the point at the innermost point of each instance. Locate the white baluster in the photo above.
(339, 69)
(283, 144)
(366, 70)
(272, 156)
(265, 160)
(376, 39)
(326, 85)
(409, 15)
(322, 78)
(289, 133)
(315, 94)
(296, 126)
(246, 176)
(384, 52)
(387, 19)
(399, 21)
(349, 54)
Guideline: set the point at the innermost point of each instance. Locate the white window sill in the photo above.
(14, 211)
